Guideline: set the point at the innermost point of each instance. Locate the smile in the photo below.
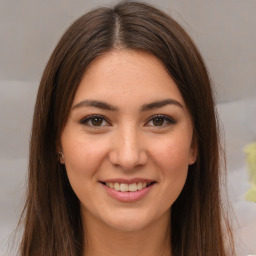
(124, 187)
(128, 190)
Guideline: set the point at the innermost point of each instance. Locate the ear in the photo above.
(193, 151)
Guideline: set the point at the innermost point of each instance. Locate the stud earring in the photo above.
(60, 156)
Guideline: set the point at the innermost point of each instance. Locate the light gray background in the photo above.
(225, 32)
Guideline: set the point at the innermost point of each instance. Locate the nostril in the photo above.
(128, 159)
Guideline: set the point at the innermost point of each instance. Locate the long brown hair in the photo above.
(51, 217)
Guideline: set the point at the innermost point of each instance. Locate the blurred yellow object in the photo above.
(250, 151)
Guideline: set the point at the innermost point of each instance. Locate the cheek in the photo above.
(172, 158)
(173, 153)
(173, 162)
(82, 155)
(174, 168)
(83, 158)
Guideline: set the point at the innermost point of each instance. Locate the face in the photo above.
(127, 143)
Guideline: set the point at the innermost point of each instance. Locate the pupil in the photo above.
(96, 121)
(158, 121)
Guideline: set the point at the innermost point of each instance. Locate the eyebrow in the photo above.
(160, 104)
(96, 104)
(145, 107)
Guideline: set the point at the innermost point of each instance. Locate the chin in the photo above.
(134, 225)
(131, 221)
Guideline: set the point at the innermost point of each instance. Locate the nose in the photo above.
(127, 149)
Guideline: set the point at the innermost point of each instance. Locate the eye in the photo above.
(94, 121)
(160, 121)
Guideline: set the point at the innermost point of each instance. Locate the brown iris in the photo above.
(97, 121)
(158, 121)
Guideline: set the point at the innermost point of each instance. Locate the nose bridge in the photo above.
(128, 151)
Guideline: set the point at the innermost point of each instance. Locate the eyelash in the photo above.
(166, 119)
(86, 120)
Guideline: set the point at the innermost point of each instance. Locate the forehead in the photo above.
(123, 76)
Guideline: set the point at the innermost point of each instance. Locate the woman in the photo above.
(124, 153)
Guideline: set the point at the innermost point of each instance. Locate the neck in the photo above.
(153, 240)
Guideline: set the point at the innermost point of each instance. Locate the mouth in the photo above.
(128, 187)
(128, 190)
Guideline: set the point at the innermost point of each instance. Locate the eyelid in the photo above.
(84, 120)
(167, 118)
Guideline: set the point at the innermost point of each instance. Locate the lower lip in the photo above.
(128, 196)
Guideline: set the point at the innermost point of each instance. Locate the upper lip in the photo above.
(127, 181)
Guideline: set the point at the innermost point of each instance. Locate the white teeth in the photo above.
(133, 187)
(116, 186)
(123, 187)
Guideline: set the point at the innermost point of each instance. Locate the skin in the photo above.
(128, 141)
